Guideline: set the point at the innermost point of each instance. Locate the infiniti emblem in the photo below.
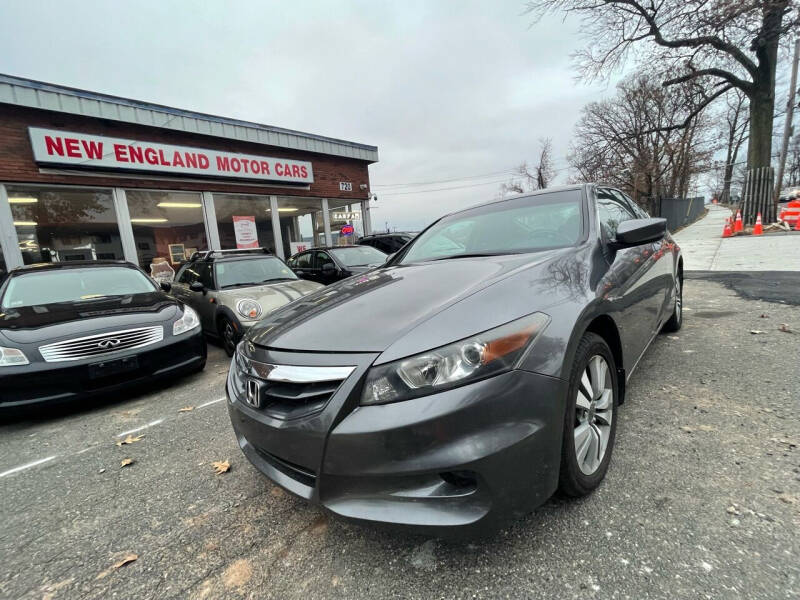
(252, 395)
(108, 343)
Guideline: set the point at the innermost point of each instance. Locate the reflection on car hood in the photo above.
(45, 321)
(367, 313)
(271, 295)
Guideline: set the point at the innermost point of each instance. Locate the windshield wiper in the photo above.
(280, 279)
(232, 285)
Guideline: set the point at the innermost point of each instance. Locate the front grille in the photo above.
(291, 400)
(291, 391)
(101, 344)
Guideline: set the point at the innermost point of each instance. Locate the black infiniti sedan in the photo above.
(326, 265)
(69, 330)
(470, 377)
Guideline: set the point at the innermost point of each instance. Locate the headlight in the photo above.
(477, 357)
(249, 309)
(12, 357)
(187, 322)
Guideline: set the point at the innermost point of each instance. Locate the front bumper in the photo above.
(458, 462)
(43, 382)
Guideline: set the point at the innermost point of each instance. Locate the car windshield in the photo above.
(73, 285)
(359, 255)
(252, 271)
(528, 224)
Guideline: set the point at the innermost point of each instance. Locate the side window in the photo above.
(204, 275)
(637, 210)
(612, 212)
(321, 258)
(303, 261)
(187, 274)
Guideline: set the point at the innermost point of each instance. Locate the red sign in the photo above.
(347, 230)
(87, 151)
(244, 228)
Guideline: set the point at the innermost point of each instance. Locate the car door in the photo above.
(637, 296)
(321, 259)
(663, 267)
(302, 266)
(204, 302)
(183, 279)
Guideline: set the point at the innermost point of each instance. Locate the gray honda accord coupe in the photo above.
(473, 375)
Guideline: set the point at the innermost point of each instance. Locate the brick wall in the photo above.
(17, 165)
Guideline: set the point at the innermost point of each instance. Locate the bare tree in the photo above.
(734, 127)
(793, 163)
(629, 140)
(732, 43)
(538, 177)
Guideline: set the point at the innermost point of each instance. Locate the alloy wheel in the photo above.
(678, 299)
(594, 407)
(229, 337)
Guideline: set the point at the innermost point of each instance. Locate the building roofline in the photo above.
(47, 96)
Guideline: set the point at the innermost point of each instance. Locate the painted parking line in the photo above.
(27, 466)
(211, 402)
(145, 426)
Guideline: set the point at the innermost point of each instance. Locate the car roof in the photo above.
(73, 264)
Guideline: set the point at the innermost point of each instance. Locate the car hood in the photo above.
(370, 312)
(273, 295)
(49, 321)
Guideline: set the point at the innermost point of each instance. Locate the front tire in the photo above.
(229, 335)
(676, 320)
(590, 420)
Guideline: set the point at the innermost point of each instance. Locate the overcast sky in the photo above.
(447, 90)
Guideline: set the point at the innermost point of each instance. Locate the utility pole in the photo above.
(787, 127)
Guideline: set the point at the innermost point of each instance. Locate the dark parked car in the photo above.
(387, 242)
(76, 329)
(326, 265)
(470, 377)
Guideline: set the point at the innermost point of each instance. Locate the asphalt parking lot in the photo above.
(702, 499)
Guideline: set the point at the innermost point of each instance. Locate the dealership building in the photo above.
(88, 176)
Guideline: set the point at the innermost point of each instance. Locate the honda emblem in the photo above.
(252, 395)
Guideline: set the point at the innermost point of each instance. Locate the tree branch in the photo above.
(745, 86)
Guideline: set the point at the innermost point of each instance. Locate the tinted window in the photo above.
(612, 212)
(637, 210)
(321, 258)
(359, 255)
(528, 224)
(303, 261)
(252, 271)
(74, 285)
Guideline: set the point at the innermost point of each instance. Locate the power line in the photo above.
(457, 187)
(495, 173)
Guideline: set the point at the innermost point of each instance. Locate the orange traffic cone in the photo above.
(738, 225)
(726, 231)
(758, 229)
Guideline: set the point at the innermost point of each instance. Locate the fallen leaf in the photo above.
(784, 328)
(127, 559)
(130, 440)
(126, 461)
(186, 409)
(756, 331)
(221, 466)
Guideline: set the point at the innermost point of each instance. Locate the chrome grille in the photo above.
(101, 344)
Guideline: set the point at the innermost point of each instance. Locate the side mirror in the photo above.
(196, 286)
(639, 231)
(328, 269)
(166, 286)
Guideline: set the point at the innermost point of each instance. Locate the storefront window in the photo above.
(244, 221)
(168, 227)
(342, 215)
(301, 224)
(62, 224)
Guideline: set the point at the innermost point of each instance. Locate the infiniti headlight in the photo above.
(187, 322)
(477, 357)
(249, 309)
(12, 357)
